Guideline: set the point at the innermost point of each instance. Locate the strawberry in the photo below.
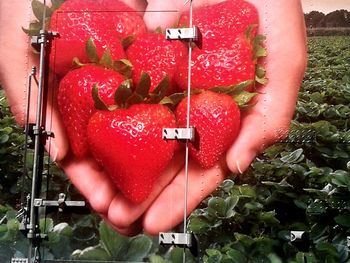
(216, 118)
(76, 104)
(222, 20)
(136, 154)
(226, 56)
(225, 64)
(107, 22)
(153, 54)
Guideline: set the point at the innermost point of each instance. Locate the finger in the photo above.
(57, 145)
(132, 230)
(138, 5)
(167, 210)
(123, 212)
(252, 140)
(91, 181)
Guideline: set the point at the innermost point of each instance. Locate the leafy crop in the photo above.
(299, 184)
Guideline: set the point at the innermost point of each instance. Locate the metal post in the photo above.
(38, 145)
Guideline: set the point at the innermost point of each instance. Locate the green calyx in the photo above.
(122, 66)
(238, 92)
(127, 41)
(127, 95)
(259, 51)
(38, 10)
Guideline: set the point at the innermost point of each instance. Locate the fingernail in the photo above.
(238, 167)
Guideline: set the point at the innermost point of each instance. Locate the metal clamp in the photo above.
(61, 203)
(19, 260)
(296, 235)
(177, 239)
(301, 240)
(191, 33)
(179, 134)
(43, 37)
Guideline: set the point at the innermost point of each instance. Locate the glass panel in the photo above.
(107, 111)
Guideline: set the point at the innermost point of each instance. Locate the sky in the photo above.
(325, 6)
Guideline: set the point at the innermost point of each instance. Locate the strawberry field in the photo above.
(299, 184)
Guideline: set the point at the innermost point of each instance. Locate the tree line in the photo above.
(338, 18)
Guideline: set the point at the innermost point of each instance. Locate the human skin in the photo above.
(267, 122)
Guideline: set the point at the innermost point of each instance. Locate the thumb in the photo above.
(257, 133)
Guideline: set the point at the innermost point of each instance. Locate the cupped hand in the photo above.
(267, 122)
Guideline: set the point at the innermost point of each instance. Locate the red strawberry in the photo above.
(136, 154)
(222, 20)
(157, 56)
(226, 56)
(105, 21)
(227, 63)
(216, 118)
(76, 104)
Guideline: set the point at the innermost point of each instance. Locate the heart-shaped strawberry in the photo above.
(128, 144)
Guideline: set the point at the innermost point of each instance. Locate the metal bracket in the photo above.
(177, 239)
(179, 134)
(184, 240)
(43, 37)
(300, 239)
(19, 260)
(187, 34)
(61, 203)
(296, 235)
(34, 130)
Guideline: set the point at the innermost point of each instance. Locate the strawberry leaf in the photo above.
(173, 99)
(56, 4)
(127, 41)
(159, 30)
(34, 28)
(243, 98)
(98, 102)
(220, 89)
(91, 51)
(260, 71)
(142, 88)
(134, 99)
(259, 50)
(262, 81)
(123, 93)
(159, 92)
(38, 10)
(123, 66)
(238, 88)
(76, 63)
(249, 31)
(106, 59)
(233, 89)
(260, 74)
